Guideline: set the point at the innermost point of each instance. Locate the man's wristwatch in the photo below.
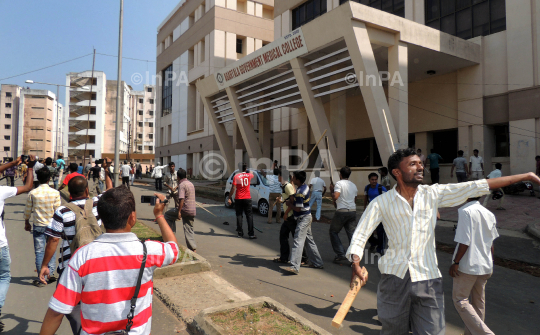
(456, 262)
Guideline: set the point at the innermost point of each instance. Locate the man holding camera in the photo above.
(5, 193)
(104, 275)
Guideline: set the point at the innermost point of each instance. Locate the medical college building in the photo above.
(253, 80)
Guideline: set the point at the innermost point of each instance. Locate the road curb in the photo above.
(533, 229)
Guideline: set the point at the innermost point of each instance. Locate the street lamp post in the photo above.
(118, 101)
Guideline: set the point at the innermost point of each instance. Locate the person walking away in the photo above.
(371, 191)
(87, 167)
(460, 164)
(242, 201)
(302, 235)
(473, 264)
(61, 164)
(80, 169)
(496, 194)
(421, 156)
(43, 202)
(10, 175)
(476, 166)
(37, 166)
(275, 196)
(56, 176)
(157, 174)
(73, 167)
(147, 170)
(94, 171)
(433, 159)
(5, 193)
(317, 188)
(49, 165)
(138, 169)
(132, 174)
(125, 171)
(170, 180)
(104, 303)
(385, 178)
(410, 291)
(344, 195)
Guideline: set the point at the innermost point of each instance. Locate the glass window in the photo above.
(239, 47)
(8, 94)
(166, 91)
(471, 17)
(307, 11)
(502, 141)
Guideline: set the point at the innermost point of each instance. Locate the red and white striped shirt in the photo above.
(102, 276)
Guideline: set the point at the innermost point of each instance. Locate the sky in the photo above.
(36, 34)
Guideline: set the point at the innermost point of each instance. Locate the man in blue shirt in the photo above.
(371, 191)
(302, 213)
(61, 165)
(433, 159)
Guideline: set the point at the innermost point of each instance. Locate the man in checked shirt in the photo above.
(410, 290)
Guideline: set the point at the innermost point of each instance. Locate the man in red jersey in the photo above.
(242, 201)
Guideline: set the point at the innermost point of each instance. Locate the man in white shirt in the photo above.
(125, 170)
(344, 196)
(473, 264)
(275, 195)
(476, 166)
(496, 194)
(410, 290)
(157, 174)
(318, 189)
(37, 167)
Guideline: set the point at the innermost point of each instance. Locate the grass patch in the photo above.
(145, 233)
(258, 320)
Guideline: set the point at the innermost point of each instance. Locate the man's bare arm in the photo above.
(51, 323)
(495, 183)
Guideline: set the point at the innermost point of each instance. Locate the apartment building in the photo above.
(195, 39)
(142, 128)
(9, 113)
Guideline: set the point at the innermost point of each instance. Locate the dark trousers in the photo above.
(342, 219)
(434, 175)
(138, 175)
(461, 177)
(288, 227)
(159, 185)
(244, 206)
(12, 179)
(125, 181)
(381, 242)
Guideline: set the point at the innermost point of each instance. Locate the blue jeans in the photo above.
(316, 196)
(303, 235)
(40, 241)
(55, 182)
(5, 274)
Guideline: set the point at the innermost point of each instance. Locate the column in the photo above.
(398, 90)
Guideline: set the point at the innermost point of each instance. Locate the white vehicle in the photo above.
(259, 189)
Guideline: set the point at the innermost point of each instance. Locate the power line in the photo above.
(46, 67)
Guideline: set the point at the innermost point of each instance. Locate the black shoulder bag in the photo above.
(134, 299)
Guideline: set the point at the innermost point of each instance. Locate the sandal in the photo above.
(279, 260)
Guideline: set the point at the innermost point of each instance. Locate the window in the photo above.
(7, 126)
(38, 107)
(141, 101)
(7, 137)
(151, 136)
(8, 116)
(396, 7)
(149, 89)
(7, 149)
(93, 110)
(151, 101)
(502, 141)
(150, 147)
(166, 93)
(307, 11)
(92, 124)
(139, 135)
(445, 144)
(8, 94)
(465, 18)
(140, 124)
(8, 104)
(91, 139)
(94, 81)
(239, 45)
(363, 152)
(94, 96)
(140, 112)
(150, 124)
(139, 148)
(151, 113)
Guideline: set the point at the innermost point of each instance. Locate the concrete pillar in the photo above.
(378, 111)
(302, 124)
(398, 90)
(264, 133)
(245, 126)
(522, 146)
(338, 124)
(286, 23)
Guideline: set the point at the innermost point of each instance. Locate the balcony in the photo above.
(148, 143)
(78, 96)
(76, 110)
(149, 119)
(79, 81)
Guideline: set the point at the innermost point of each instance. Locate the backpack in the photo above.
(379, 188)
(86, 226)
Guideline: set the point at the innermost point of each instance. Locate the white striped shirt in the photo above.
(411, 231)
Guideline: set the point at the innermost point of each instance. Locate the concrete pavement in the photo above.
(26, 304)
(512, 297)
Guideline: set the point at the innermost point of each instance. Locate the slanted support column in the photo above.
(398, 90)
(224, 142)
(363, 59)
(264, 133)
(315, 113)
(245, 126)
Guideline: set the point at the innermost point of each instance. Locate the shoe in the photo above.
(339, 259)
(291, 270)
(52, 279)
(240, 235)
(315, 267)
(279, 260)
(37, 283)
(253, 237)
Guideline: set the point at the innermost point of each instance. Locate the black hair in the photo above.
(73, 167)
(384, 170)
(48, 161)
(80, 164)
(181, 173)
(373, 174)
(460, 153)
(115, 206)
(300, 175)
(171, 164)
(476, 150)
(244, 167)
(498, 166)
(537, 157)
(276, 171)
(77, 185)
(43, 175)
(432, 151)
(345, 172)
(397, 157)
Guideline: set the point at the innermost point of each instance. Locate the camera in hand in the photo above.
(99, 161)
(24, 158)
(151, 199)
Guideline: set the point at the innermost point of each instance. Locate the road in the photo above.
(513, 299)
(26, 304)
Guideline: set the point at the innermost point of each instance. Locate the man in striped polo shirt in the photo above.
(102, 275)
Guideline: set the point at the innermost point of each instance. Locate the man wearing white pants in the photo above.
(318, 189)
(476, 166)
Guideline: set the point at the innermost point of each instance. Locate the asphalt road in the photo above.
(26, 304)
(513, 298)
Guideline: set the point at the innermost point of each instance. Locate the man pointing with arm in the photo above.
(410, 290)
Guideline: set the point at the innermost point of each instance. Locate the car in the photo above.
(259, 189)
